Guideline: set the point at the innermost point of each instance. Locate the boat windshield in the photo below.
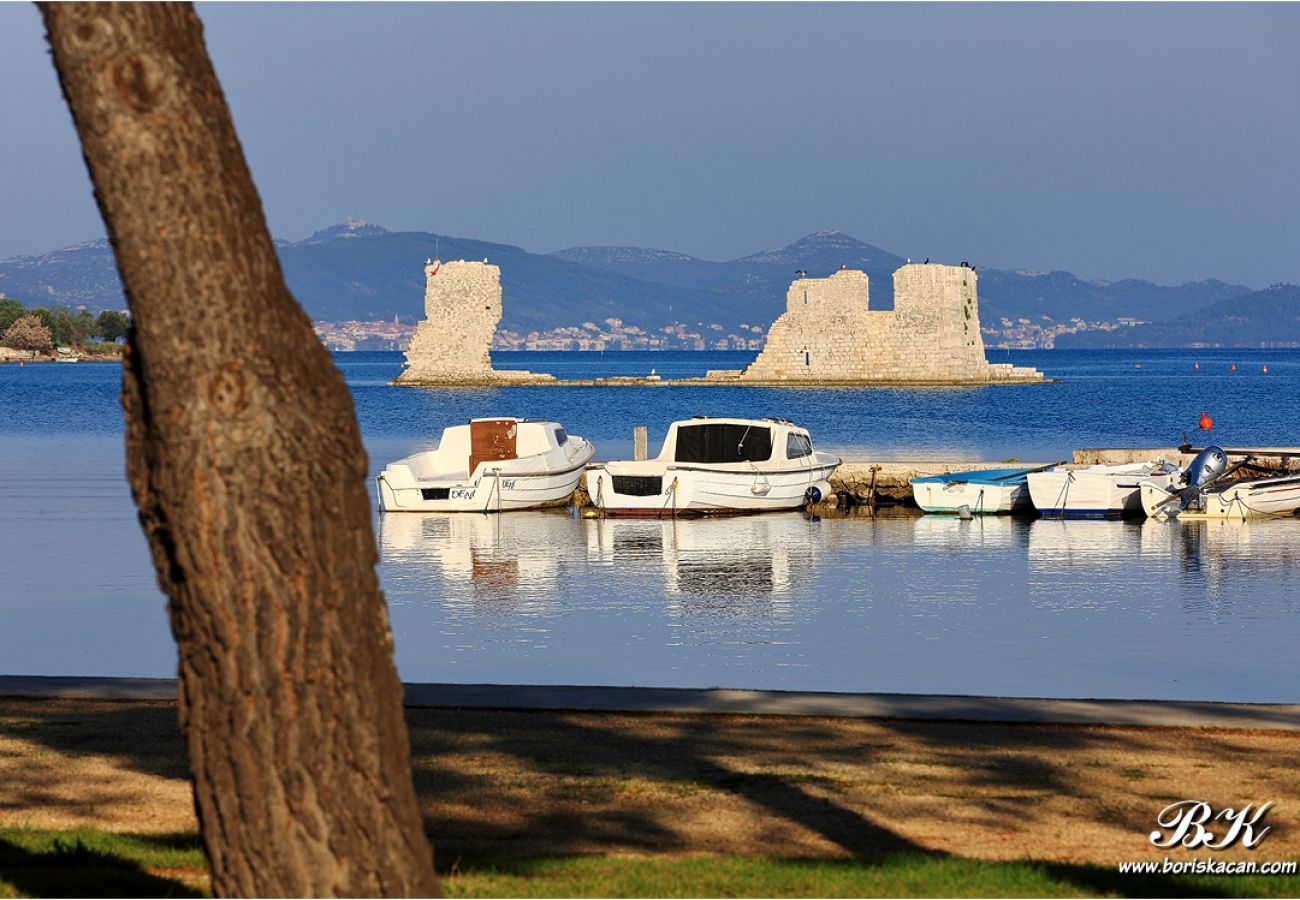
(723, 443)
(797, 446)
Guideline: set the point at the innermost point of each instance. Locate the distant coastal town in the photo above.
(615, 334)
(612, 334)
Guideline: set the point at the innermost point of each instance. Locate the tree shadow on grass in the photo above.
(501, 784)
(95, 762)
(598, 762)
(71, 869)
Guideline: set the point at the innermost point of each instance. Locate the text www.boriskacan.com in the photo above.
(1208, 867)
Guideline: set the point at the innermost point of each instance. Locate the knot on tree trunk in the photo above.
(228, 391)
(138, 81)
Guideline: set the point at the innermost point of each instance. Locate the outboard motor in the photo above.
(817, 492)
(1208, 465)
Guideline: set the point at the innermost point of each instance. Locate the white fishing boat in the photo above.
(1100, 491)
(489, 465)
(717, 465)
(1245, 499)
(979, 492)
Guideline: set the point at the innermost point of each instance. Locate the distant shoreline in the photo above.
(8, 356)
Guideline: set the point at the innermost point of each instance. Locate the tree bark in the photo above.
(246, 463)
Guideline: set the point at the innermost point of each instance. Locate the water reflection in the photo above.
(1087, 548)
(1216, 559)
(1207, 564)
(770, 555)
(950, 533)
(995, 605)
(513, 559)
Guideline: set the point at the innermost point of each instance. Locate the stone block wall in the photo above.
(942, 305)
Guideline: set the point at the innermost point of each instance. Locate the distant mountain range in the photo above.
(359, 271)
(1267, 318)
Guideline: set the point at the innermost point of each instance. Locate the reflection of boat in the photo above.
(745, 556)
(717, 465)
(489, 465)
(1244, 499)
(944, 533)
(1095, 491)
(1093, 548)
(1231, 556)
(983, 491)
(496, 556)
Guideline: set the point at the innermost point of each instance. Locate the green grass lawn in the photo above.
(36, 863)
(89, 863)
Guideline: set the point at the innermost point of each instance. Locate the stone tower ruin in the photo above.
(452, 344)
(828, 333)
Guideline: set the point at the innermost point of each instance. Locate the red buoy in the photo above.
(1232, 368)
(1196, 365)
(1265, 370)
(1206, 422)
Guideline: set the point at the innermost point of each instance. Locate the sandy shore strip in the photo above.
(728, 701)
(557, 782)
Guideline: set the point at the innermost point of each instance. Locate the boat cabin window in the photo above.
(797, 446)
(719, 443)
(560, 437)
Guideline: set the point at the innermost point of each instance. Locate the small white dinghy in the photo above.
(978, 492)
(489, 465)
(720, 465)
(1211, 494)
(1107, 492)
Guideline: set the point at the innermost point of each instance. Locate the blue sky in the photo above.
(1112, 140)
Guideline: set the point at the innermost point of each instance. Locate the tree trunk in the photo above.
(246, 463)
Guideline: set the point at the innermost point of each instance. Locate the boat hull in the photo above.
(687, 491)
(1256, 498)
(1101, 492)
(533, 482)
(948, 497)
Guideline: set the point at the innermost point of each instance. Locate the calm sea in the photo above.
(907, 604)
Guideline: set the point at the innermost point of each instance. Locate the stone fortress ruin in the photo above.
(827, 334)
(462, 307)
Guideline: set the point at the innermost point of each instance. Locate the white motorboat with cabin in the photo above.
(717, 465)
(489, 465)
(1101, 491)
